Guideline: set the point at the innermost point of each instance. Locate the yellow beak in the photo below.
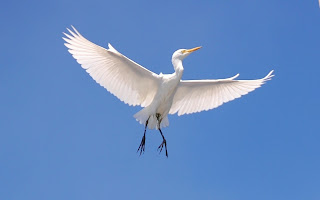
(192, 50)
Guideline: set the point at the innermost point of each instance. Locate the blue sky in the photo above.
(62, 136)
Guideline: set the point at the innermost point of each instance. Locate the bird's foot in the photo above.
(142, 145)
(164, 143)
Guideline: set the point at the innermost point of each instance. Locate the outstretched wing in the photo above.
(127, 80)
(199, 95)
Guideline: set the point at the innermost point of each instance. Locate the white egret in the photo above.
(161, 94)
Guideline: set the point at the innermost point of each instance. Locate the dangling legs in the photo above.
(143, 141)
(164, 142)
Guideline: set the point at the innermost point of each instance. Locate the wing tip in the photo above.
(74, 32)
(269, 76)
(235, 76)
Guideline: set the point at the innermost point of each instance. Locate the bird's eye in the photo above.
(183, 51)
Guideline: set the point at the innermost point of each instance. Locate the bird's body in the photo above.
(161, 94)
(161, 102)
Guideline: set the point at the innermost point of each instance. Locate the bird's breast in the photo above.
(165, 94)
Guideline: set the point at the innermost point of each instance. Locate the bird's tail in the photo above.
(143, 115)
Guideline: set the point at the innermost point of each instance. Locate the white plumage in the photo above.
(161, 94)
(199, 95)
(127, 80)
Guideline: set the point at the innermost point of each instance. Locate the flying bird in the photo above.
(158, 94)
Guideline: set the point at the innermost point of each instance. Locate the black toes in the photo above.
(164, 143)
(142, 145)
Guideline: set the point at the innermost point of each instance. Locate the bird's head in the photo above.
(179, 55)
(183, 53)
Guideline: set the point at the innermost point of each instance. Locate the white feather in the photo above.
(160, 94)
(199, 95)
(127, 80)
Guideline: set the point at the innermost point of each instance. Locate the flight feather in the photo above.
(199, 95)
(127, 80)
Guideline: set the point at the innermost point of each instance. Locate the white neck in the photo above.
(177, 65)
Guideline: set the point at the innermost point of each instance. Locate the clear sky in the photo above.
(62, 136)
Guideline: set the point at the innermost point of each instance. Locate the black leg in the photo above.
(164, 143)
(143, 141)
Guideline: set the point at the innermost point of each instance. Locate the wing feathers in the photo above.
(129, 81)
(136, 85)
(199, 95)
